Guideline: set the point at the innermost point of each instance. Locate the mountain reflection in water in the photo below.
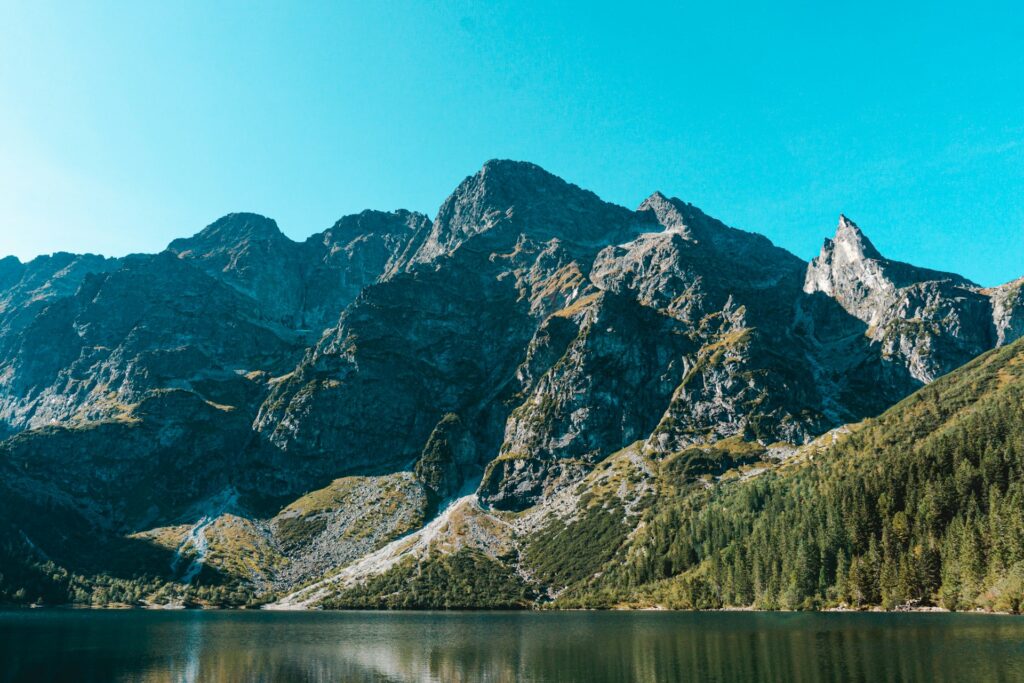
(85, 645)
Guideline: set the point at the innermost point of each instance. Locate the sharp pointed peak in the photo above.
(656, 197)
(848, 227)
(660, 198)
(853, 239)
(502, 180)
(533, 201)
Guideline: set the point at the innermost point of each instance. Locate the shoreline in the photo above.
(265, 609)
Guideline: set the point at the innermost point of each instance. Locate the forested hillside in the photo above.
(921, 506)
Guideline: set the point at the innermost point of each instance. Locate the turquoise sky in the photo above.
(124, 125)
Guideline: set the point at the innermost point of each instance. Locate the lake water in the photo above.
(80, 645)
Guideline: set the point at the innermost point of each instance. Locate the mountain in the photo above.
(929, 321)
(507, 396)
(303, 285)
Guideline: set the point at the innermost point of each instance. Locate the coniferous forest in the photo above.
(922, 506)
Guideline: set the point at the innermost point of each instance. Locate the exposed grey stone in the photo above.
(929, 320)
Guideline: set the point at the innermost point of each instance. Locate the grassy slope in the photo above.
(243, 556)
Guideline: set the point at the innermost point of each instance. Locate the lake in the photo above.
(136, 645)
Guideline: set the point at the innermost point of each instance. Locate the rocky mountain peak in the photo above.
(501, 170)
(928, 320)
(229, 232)
(852, 241)
(667, 214)
(514, 198)
(502, 185)
(848, 264)
(354, 226)
(850, 261)
(250, 253)
(681, 218)
(10, 270)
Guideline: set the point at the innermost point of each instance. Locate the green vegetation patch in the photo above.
(565, 553)
(465, 579)
(715, 459)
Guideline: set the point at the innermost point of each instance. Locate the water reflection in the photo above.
(581, 646)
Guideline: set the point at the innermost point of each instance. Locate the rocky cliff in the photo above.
(929, 321)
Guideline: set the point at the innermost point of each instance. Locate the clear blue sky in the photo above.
(124, 125)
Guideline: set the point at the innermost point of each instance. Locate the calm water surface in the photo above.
(43, 645)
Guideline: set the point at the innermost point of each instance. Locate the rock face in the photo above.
(604, 391)
(445, 330)
(929, 321)
(155, 323)
(125, 474)
(510, 346)
(507, 199)
(447, 457)
(27, 288)
(1008, 311)
(251, 254)
(302, 285)
(356, 252)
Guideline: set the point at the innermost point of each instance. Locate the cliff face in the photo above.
(302, 285)
(1008, 311)
(929, 321)
(508, 348)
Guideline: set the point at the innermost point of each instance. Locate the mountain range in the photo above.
(537, 397)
